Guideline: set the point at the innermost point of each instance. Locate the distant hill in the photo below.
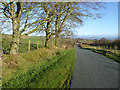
(98, 37)
(109, 37)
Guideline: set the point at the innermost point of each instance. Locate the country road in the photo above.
(94, 71)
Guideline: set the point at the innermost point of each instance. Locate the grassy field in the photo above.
(23, 47)
(112, 54)
(24, 43)
(42, 68)
(88, 41)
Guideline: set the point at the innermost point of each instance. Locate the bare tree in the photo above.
(74, 15)
(20, 13)
(52, 17)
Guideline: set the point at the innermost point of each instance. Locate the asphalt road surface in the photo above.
(93, 70)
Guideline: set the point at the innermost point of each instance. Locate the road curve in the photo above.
(93, 70)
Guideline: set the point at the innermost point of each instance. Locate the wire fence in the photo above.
(33, 43)
(113, 49)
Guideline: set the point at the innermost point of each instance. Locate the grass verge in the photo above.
(43, 68)
(108, 54)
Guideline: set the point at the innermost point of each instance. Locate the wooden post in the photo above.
(99, 47)
(29, 46)
(102, 47)
(110, 48)
(38, 44)
(115, 48)
(106, 48)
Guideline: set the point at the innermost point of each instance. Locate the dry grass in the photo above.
(46, 67)
(22, 61)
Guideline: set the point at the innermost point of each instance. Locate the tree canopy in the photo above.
(54, 18)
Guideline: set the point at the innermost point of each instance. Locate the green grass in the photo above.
(86, 41)
(108, 54)
(23, 47)
(39, 69)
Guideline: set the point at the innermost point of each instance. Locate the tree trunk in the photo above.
(16, 37)
(47, 38)
(47, 34)
(16, 24)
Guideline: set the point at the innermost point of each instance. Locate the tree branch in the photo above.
(22, 30)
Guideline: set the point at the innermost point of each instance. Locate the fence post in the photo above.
(99, 47)
(115, 48)
(38, 44)
(102, 47)
(110, 48)
(107, 48)
(29, 46)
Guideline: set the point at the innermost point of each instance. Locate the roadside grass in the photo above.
(108, 54)
(42, 68)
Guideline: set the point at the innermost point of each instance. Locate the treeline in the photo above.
(52, 18)
(105, 42)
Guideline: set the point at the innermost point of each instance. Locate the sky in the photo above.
(107, 25)
(119, 21)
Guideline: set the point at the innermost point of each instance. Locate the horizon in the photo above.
(92, 37)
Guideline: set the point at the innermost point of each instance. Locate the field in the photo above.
(23, 47)
(24, 43)
(42, 68)
(112, 54)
